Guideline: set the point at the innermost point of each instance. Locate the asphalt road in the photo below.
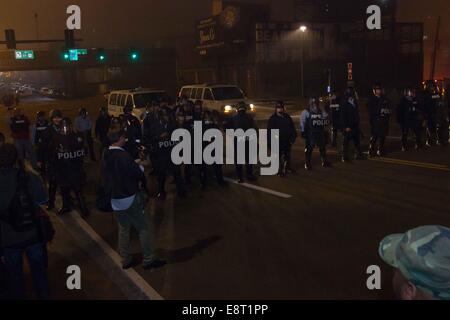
(311, 235)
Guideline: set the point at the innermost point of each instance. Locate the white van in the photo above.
(138, 99)
(223, 98)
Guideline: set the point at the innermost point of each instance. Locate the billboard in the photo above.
(221, 33)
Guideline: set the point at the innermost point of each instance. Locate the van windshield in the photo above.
(141, 100)
(227, 93)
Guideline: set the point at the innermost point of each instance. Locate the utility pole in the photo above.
(436, 47)
(36, 21)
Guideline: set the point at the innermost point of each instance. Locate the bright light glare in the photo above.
(303, 28)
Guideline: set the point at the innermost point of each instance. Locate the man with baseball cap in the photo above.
(421, 258)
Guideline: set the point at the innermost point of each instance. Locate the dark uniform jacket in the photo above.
(66, 154)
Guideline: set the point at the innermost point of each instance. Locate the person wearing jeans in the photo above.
(37, 259)
(13, 243)
(122, 176)
(135, 216)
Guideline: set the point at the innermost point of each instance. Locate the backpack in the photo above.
(22, 209)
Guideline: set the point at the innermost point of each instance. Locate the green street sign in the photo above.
(74, 53)
(24, 54)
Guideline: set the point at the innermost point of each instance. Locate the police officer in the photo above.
(67, 152)
(281, 121)
(189, 111)
(379, 114)
(335, 111)
(41, 125)
(242, 120)
(102, 125)
(83, 126)
(350, 122)
(161, 137)
(432, 97)
(21, 133)
(212, 121)
(45, 162)
(410, 118)
(313, 121)
(442, 123)
(133, 132)
(38, 131)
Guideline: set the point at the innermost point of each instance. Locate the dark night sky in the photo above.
(109, 23)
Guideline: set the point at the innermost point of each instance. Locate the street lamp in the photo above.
(302, 29)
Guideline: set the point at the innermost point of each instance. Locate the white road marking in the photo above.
(131, 274)
(258, 188)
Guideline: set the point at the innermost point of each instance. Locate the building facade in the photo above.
(242, 45)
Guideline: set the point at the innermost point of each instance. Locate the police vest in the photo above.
(334, 107)
(385, 111)
(436, 96)
(167, 144)
(317, 122)
(40, 128)
(70, 154)
(19, 125)
(413, 106)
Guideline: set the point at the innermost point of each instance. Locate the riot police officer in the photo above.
(38, 132)
(67, 151)
(350, 122)
(410, 118)
(313, 121)
(379, 115)
(281, 121)
(41, 125)
(83, 126)
(102, 125)
(432, 97)
(335, 111)
(162, 162)
(442, 123)
(242, 120)
(189, 112)
(212, 121)
(45, 162)
(133, 132)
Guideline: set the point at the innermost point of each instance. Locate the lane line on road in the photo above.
(258, 188)
(74, 219)
(425, 165)
(412, 164)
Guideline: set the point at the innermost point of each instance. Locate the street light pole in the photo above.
(302, 54)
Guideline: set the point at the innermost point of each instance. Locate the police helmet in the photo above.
(116, 122)
(410, 92)
(242, 106)
(40, 114)
(66, 126)
(313, 101)
(55, 113)
(279, 105)
(377, 87)
(127, 109)
(82, 112)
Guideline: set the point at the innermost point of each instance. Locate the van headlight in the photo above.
(228, 108)
(252, 107)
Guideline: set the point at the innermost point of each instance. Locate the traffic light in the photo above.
(101, 56)
(134, 55)
(10, 36)
(66, 55)
(69, 38)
